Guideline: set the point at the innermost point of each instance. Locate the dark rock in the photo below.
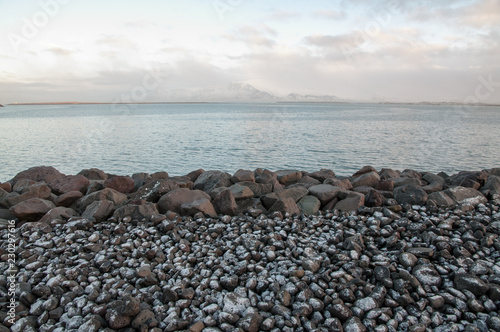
(373, 199)
(403, 181)
(324, 192)
(353, 202)
(471, 283)
(153, 191)
(202, 205)
(427, 275)
(173, 200)
(286, 204)
(387, 173)
(243, 175)
(258, 189)
(138, 212)
(463, 195)
(322, 175)
(58, 213)
(101, 195)
(410, 194)
(441, 199)
(491, 188)
(99, 210)
(39, 173)
(93, 174)
(467, 179)
(354, 324)
(370, 179)
(225, 203)
(66, 184)
(194, 175)
(209, 180)
(295, 193)
(288, 177)
(37, 190)
(32, 209)
(265, 176)
(364, 170)
(241, 192)
(122, 184)
(421, 252)
(341, 312)
(250, 322)
(309, 205)
(68, 198)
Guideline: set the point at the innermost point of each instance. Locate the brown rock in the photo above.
(322, 175)
(308, 181)
(173, 200)
(353, 202)
(122, 184)
(58, 213)
(7, 186)
(225, 203)
(137, 212)
(183, 181)
(101, 195)
(364, 170)
(202, 205)
(23, 184)
(38, 190)
(94, 174)
(209, 180)
(152, 191)
(99, 210)
(258, 189)
(463, 195)
(403, 181)
(369, 179)
(468, 179)
(266, 176)
(193, 176)
(296, 193)
(241, 192)
(32, 209)
(68, 198)
(410, 173)
(491, 188)
(373, 199)
(330, 205)
(286, 204)
(243, 175)
(69, 183)
(324, 192)
(385, 185)
(440, 199)
(288, 177)
(387, 173)
(159, 176)
(342, 183)
(39, 173)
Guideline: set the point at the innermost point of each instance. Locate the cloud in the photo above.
(253, 37)
(115, 41)
(284, 15)
(329, 14)
(59, 51)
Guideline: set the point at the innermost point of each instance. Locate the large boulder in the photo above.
(491, 188)
(265, 176)
(93, 174)
(352, 202)
(322, 175)
(59, 213)
(403, 181)
(138, 212)
(243, 175)
(224, 203)
(37, 190)
(369, 179)
(440, 199)
(466, 195)
(32, 209)
(342, 183)
(209, 180)
(324, 192)
(387, 173)
(39, 173)
(467, 179)
(68, 198)
(410, 194)
(66, 184)
(122, 184)
(99, 210)
(373, 198)
(258, 189)
(202, 205)
(309, 205)
(173, 200)
(288, 177)
(241, 192)
(152, 191)
(106, 194)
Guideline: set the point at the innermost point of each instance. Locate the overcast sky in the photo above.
(76, 50)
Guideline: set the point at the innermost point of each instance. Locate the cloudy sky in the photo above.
(76, 50)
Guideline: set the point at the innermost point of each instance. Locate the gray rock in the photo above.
(324, 192)
(173, 200)
(354, 324)
(352, 202)
(99, 210)
(471, 283)
(410, 194)
(288, 177)
(309, 205)
(32, 209)
(138, 212)
(369, 179)
(427, 275)
(463, 195)
(235, 304)
(209, 180)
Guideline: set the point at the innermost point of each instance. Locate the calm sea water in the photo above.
(179, 138)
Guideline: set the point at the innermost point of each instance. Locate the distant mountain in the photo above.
(240, 92)
(1, 105)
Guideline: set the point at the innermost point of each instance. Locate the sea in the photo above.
(178, 138)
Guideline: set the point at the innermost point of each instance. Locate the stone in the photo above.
(241, 192)
(467, 179)
(286, 205)
(295, 193)
(309, 205)
(243, 175)
(99, 210)
(258, 189)
(374, 199)
(7, 186)
(138, 212)
(106, 194)
(122, 184)
(324, 192)
(58, 213)
(385, 185)
(410, 194)
(421, 252)
(366, 304)
(403, 181)
(341, 183)
(352, 202)
(322, 175)
(32, 209)
(307, 181)
(265, 176)
(427, 275)
(225, 203)
(209, 180)
(369, 179)
(68, 198)
(68, 183)
(354, 324)
(93, 174)
(235, 303)
(117, 321)
(408, 259)
(491, 188)
(39, 173)
(202, 205)
(37, 190)
(471, 283)
(468, 196)
(288, 177)
(91, 325)
(440, 199)
(153, 191)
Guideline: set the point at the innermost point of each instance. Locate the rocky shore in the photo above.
(252, 251)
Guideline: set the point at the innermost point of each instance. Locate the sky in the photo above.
(358, 50)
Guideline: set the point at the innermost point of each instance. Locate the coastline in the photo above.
(150, 251)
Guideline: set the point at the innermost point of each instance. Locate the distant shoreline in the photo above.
(256, 102)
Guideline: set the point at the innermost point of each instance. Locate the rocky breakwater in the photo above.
(253, 251)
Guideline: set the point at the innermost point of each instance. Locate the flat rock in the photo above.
(68, 198)
(463, 195)
(137, 212)
(69, 183)
(471, 283)
(352, 202)
(153, 190)
(243, 175)
(288, 177)
(322, 175)
(37, 190)
(39, 173)
(32, 209)
(258, 189)
(369, 179)
(173, 200)
(324, 192)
